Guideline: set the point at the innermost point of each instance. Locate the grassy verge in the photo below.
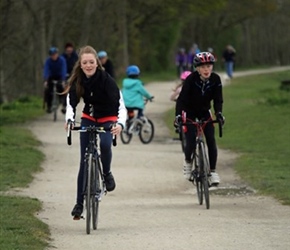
(257, 126)
(20, 158)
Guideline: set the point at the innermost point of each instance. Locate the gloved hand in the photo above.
(177, 121)
(220, 117)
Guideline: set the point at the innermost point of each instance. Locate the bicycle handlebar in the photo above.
(87, 129)
(195, 123)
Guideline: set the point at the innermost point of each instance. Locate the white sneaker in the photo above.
(187, 169)
(214, 179)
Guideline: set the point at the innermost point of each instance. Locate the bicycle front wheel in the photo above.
(205, 172)
(146, 133)
(198, 177)
(126, 136)
(97, 191)
(89, 193)
(54, 106)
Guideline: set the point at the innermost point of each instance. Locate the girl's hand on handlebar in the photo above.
(67, 123)
(116, 129)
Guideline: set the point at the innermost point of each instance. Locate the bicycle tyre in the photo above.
(88, 194)
(54, 106)
(147, 128)
(198, 178)
(126, 137)
(205, 177)
(95, 200)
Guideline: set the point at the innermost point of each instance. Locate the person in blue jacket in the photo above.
(54, 70)
(134, 92)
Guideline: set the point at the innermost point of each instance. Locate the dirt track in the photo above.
(153, 207)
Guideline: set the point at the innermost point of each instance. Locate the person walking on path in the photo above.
(180, 61)
(229, 60)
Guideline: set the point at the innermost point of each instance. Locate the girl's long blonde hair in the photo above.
(77, 71)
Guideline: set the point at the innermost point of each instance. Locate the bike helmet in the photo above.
(203, 58)
(52, 51)
(184, 75)
(102, 54)
(133, 70)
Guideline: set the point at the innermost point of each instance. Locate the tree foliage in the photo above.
(146, 33)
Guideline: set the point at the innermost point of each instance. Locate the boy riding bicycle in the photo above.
(134, 92)
(199, 89)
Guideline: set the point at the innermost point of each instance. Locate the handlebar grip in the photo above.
(114, 140)
(69, 133)
(220, 129)
(69, 138)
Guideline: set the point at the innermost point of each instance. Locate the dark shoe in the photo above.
(63, 110)
(110, 182)
(77, 210)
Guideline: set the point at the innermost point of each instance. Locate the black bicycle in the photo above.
(201, 172)
(94, 184)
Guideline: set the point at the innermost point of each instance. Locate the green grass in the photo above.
(21, 110)
(19, 228)
(257, 126)
(20, 159)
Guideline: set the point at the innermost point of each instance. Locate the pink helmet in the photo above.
(184, 75)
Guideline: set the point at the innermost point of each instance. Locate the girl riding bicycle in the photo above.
(199, 89)
(104, 107)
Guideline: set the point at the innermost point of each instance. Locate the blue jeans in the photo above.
(106, 153)
(229, 68)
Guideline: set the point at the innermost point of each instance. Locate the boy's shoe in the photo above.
(110, 182)
(214, 179)
(187, 169)
(77, 210)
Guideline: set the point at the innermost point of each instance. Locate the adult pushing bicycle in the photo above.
(200, 174)
(94, 185)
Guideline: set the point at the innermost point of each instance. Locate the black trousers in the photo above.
(49, 92)
(190, 137)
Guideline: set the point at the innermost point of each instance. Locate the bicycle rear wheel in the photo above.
(146, 133)
(97, 190)
(89, 192)
(205, 171)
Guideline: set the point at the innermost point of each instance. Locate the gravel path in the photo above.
(153, 207)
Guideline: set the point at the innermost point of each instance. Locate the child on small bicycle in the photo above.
(104, 107)
(177, 89)
(134, 92)
(199, 89)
